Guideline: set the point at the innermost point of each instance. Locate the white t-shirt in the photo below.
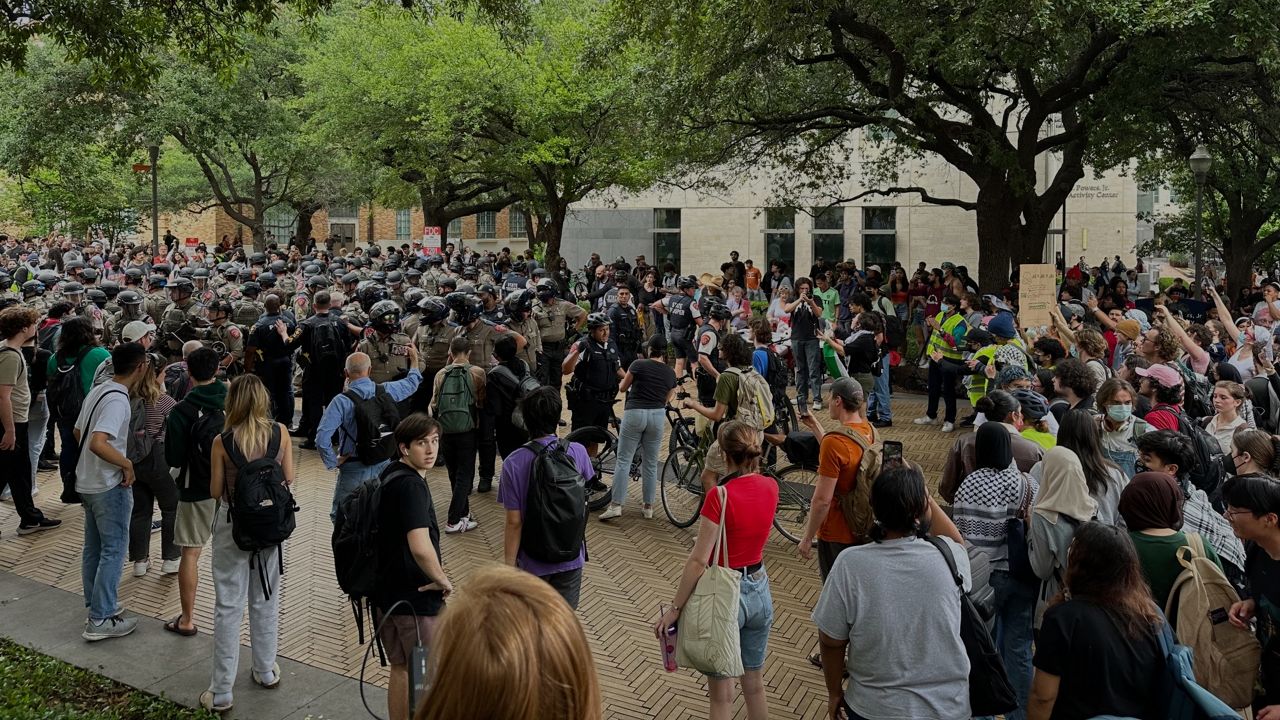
(110, 416)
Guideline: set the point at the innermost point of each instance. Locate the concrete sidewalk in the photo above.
(50, 620)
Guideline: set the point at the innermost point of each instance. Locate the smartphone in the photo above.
(668, 644)
(892, 451)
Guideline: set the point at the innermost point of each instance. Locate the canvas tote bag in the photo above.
(708, 637)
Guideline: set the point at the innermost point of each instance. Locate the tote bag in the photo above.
(708, 638)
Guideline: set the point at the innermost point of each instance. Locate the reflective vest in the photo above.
(944, 338)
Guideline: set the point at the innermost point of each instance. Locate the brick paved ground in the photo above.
(634, 566)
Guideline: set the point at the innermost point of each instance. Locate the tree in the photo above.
(986, 86)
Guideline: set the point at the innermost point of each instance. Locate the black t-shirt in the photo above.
(651, 382)
(1263, 585)
(1102, 670)
(405, 505)
(804, 323)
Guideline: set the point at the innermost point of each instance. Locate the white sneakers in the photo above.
(926, 420)
(817, 405)
(462, 525)
(170, 567)
(140, 568)
(948, 427)
(611, 513)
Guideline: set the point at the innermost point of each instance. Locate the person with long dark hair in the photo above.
(1098, 652)
(1080, 433)
(78, 352)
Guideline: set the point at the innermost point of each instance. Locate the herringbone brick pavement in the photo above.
(635, 564)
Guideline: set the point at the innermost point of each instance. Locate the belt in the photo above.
(750, 569)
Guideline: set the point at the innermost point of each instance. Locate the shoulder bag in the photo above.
(708, 639)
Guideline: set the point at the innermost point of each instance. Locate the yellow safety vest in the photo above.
(943, 338)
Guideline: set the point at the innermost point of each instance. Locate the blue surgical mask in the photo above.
(946, 308)
(1120, 412)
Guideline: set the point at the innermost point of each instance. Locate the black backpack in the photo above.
(555, 509)
(895, 335)
(1210, 466)
(65, 390)
(326, 349)
(775, 373)
(262, 510)
(376, 420)
(522, 386)
(1197, 393)
(206, 426)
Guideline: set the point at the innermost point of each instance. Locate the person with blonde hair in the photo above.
(1230, 399)
(153, 484)
(250, 435)
(535, 664)
(750, 501)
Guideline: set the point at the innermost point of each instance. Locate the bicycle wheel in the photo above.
(786, 415)
(682, 435)
(681, 484)
(795, 493)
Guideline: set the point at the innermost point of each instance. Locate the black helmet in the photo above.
(201, 273)
(317, 282)
(717, 311)
(688, 282)
(32, 287)
(520, 301)
(337, 269)
(597, 320)
(89, 274)
(435, 259)
(455, 266)
(350, 279)
(520, 266)
(359, 261)
(225, 267)
(96, 296)
(185, 272)
(370, 295)
(182, 285)
(258, 259)
(385, 316)
(374, 251)
(278, 267)
(471, 272)
(379, 277)
(72, 265)
(162, 269)
(488, 290)
(391, 263)
(447, 282)
(546, 289)
(133, 275)
(48, 278)
(157, 281)
(73, 288)
(433, 309)
(411, 273)
(395, 277)
(221, 306)
(110, 287)
(465, 307)
(251, 289)
(244, 275)
(412, 297)
(129, 297)
(267, 280)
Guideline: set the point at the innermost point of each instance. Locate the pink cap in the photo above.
(1163, 374)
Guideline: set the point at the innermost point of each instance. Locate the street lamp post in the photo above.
(154, 151)
(1200, 162)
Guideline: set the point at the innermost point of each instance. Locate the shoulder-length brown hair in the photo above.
(1103, 570)
(510, 647)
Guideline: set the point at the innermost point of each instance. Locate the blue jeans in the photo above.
(878, 403)
(106, 537)
(1015, 607)
(37, 419)
(1126, 460)
(351, 475)
(808, 354)
(640, 430)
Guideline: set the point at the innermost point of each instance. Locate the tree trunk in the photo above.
(259, 236)
(302, 233)
(437, 217)
(550, 233)
(1004, 240)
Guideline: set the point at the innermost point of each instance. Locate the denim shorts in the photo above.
(755, 619)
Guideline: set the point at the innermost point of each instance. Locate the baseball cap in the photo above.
(1001, 325)
(136, 330)
(848, 390)
(1163, 374)
(1034, 406)
(874, 267)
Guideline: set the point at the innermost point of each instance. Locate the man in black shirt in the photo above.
(408, 556)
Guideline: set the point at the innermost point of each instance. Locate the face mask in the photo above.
(1241, 338)
(1075, 351)
(1119, 413)
(946, 308)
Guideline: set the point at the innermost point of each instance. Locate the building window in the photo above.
(879, 236)
(780, 238)
(828, 234)
(455, 228)
(279, 223)
(486, 225)
(402, 226)
(515, 223)
(666, 237)
(343, 211)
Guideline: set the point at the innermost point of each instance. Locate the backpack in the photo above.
(376, 420)
(177, 380)
(895, 334)
(1186, 699)
(262, 509)
(555, 509)
(144, 450)
(524, 386)
(456, 401)
(1107, 372)
(65, 391)
(855, 505)
(206, 426)
(775, 374)
(755, 399)
(1210, 466)
(325, 349)
(1197, 393)
(1226, 657)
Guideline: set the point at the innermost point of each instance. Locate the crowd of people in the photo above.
(1123, 458)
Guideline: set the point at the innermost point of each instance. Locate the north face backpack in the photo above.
(755, 399)
(524, 385)
(262, 510)
(555, 509)
(1226, 657)
(456, 403)
(376, 420)
(855, 505)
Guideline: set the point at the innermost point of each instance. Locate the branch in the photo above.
(924, 197)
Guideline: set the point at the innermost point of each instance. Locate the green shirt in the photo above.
(1043, 439)
(1159, 561)
(830, 302)
(727, 393)
(88, 366)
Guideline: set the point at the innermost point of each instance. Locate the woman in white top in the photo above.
(1267, 312)
(741, 307)
(1242, 358)
(777, 313)
(1228, 402)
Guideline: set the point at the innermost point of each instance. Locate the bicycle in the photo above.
(604, 462)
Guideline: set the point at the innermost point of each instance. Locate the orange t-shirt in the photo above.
(753, 276)
(839, 457)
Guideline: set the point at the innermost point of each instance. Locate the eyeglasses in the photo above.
(1230, 514)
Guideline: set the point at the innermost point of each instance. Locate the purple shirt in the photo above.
(517, 469)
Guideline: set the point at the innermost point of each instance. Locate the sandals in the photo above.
(174, 626)
(206, 702)
(275, 670)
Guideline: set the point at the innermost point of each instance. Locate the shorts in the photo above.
(194, 524)
(400, 633)
(683, 346)
(716, 462)
(755, 618)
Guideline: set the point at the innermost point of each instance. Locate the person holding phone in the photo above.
(806, 314)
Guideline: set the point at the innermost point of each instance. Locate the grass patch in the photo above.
(37, 687)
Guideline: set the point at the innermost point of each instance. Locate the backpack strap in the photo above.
(938, 542)
(88, 421)
(1194, 550)
(273, 445)
(233, 450)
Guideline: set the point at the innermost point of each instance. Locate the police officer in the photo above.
(248, 310)
(395, 285)
(284, 279)
(322, 363)
(708, 343)
(553, 316)
(203, 293)
(180, 321)
(387, 347)
(434, 274)
(33, 297)
(516, 279)
(493, 310)
(626, 327)
(682, 314)
(267, 355)
(412, 316)
(519, 305)
(130, 310)
(95, 309)
(157, 298)
(593, 361)
(432, 338)
(413, 279)
(225, 338)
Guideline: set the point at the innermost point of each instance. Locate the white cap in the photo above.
(136, 330)
(874, 267)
